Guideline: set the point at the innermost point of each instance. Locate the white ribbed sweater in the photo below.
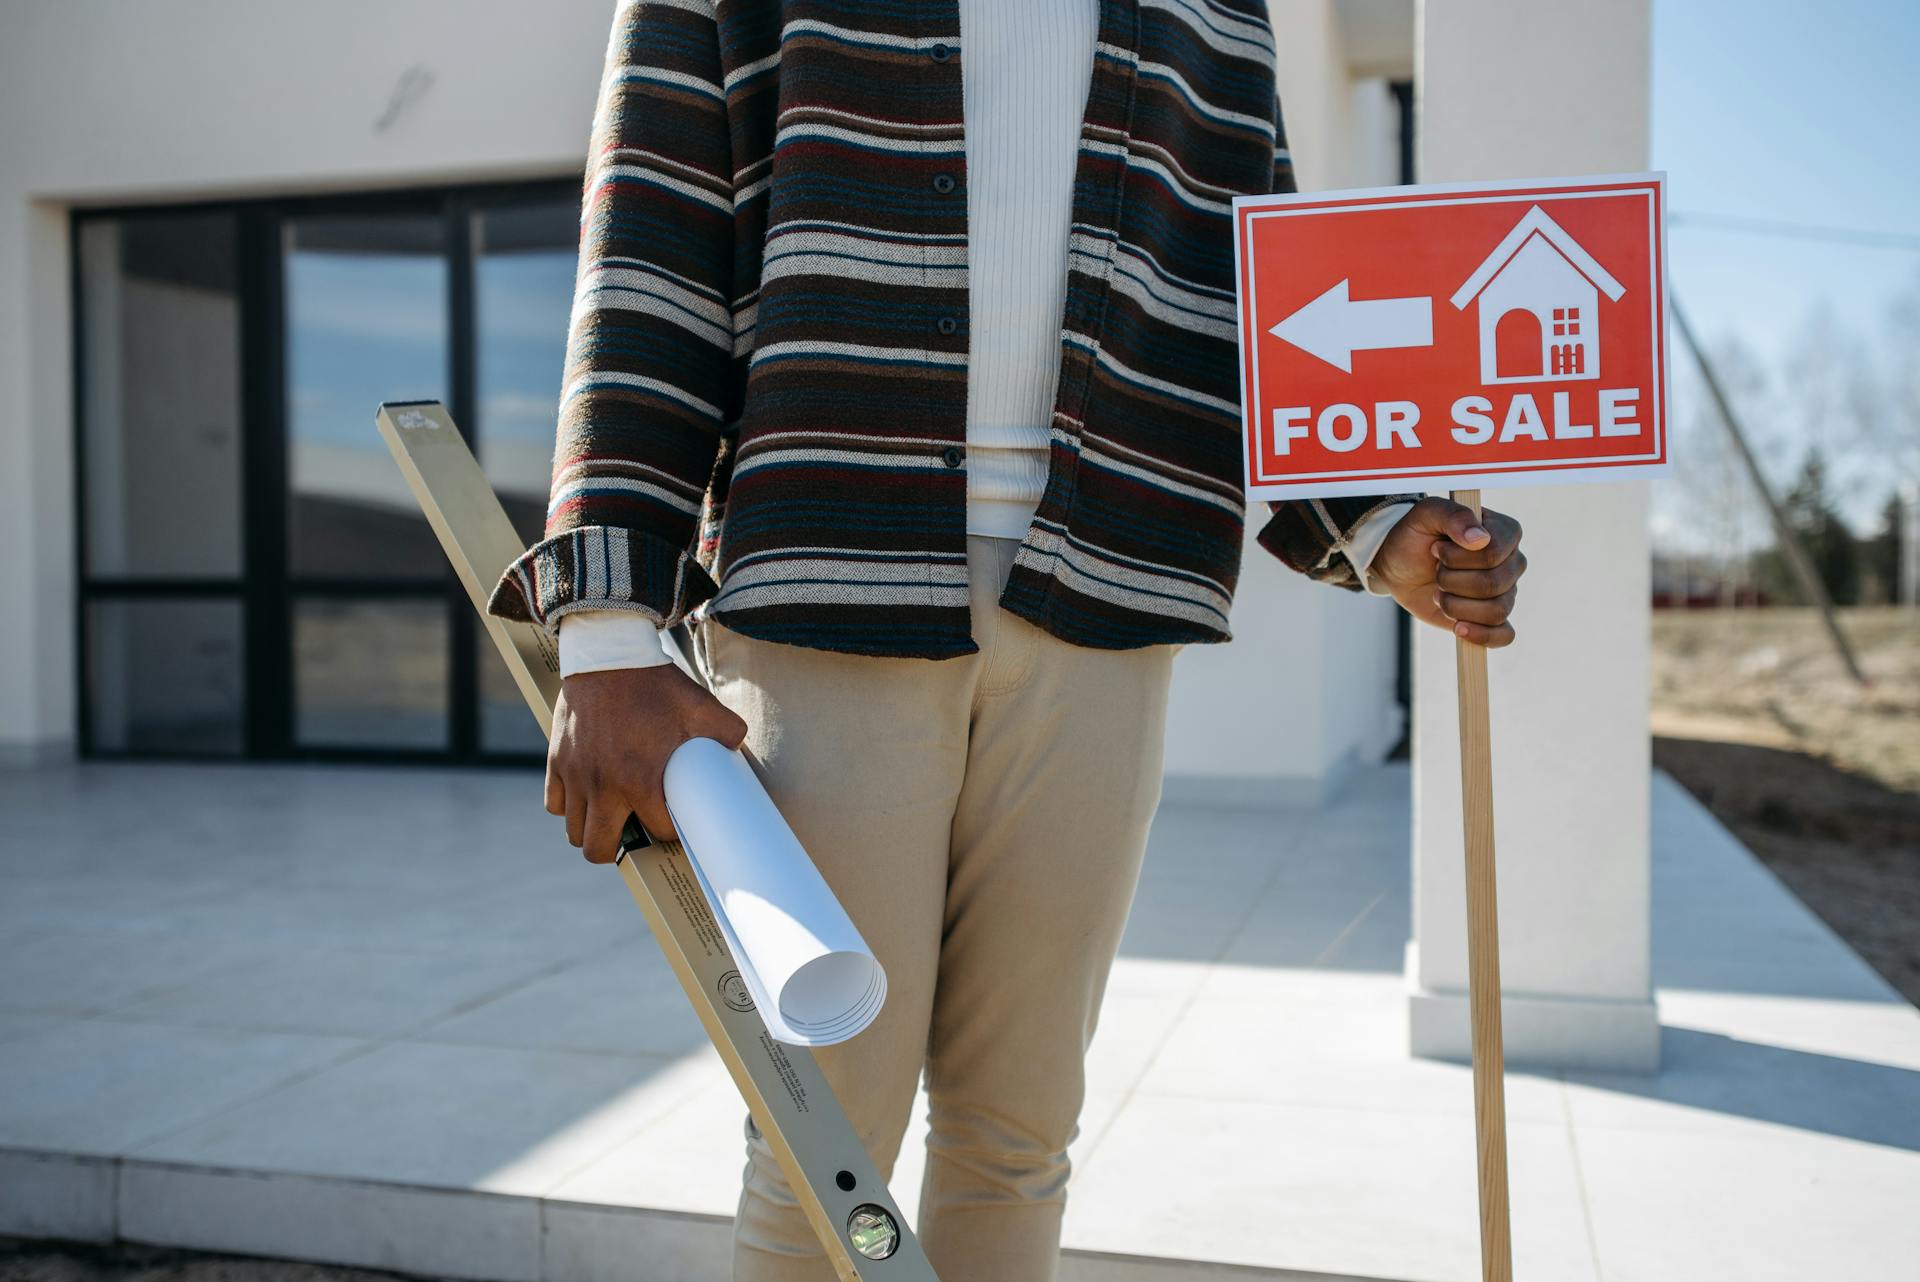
(1024, 67)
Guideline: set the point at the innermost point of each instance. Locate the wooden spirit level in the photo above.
(849, 1207)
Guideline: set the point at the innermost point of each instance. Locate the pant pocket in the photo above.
(707, 636)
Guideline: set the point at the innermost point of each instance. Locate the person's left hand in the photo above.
(1453, 570)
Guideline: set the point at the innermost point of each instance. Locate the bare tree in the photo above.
(1707, 517)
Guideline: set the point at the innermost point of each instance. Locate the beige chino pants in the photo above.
(983, 820)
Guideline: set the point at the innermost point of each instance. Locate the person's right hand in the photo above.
(612, 734)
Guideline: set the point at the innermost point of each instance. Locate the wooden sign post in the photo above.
(1483, 950)
(1453, 337)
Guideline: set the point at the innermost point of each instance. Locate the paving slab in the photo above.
(103, 1088)
(1755, 1204)
(634, 1007)
(1349, 1053)
(422, 1231)
(1339, 1190)
(446, 1117)
(94, 970)
(350, 992)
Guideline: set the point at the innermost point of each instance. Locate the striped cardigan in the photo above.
(764, 406)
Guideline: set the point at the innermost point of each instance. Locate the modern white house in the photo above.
(205, 297)
(229, 229)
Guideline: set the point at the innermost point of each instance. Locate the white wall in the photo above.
(183, 99)
(172, 100)
(1311, 66)
(1304, 693)
(1375, 142)
(1341, 124)
(36, 481)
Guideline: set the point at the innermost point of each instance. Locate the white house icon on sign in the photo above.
(1539, 298)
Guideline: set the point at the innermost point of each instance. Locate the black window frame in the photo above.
(265, 587)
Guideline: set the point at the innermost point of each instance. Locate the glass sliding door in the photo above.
(256, 578)
(367, 319)
(523, 265)
(164, 675)
(160, 456)
(370, 672)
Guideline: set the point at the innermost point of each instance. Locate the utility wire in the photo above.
(1801, 231)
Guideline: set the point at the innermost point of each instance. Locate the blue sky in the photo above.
(1796, 111)
(1800, 112)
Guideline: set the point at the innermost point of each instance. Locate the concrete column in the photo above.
(36, 487)
(1544, 89)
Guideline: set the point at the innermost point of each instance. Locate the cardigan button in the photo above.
(943, 183)
(951, 456)
(940, 53)
(947, 325)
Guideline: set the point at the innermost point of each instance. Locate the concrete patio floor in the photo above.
(389, 1018)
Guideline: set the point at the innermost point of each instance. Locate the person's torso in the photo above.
(840, 508)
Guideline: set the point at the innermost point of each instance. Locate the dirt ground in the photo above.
(1754, 713)
(65, 1262)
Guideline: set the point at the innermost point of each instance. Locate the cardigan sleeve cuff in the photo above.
(601, 567)
(1313, 535)
(1363, 543)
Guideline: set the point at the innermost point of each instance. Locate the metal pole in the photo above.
(1796, 554)
(1909, 535)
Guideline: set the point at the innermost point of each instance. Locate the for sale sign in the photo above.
(1452, 337)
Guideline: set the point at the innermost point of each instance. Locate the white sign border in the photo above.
(1451, 477)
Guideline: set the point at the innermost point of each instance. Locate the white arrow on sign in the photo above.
(1334, 327)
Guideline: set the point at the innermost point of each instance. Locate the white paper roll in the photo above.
(806, 967)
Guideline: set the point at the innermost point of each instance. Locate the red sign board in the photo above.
(1452, 337)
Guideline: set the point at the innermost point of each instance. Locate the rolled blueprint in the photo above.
(806, 967)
